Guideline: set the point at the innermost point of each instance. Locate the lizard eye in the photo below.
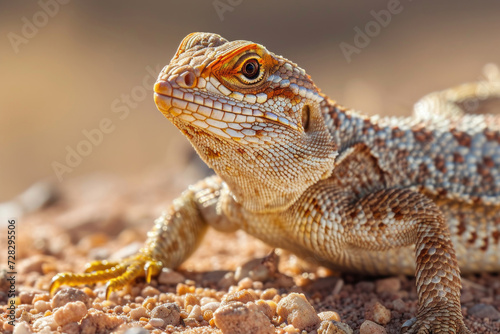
(251, 71)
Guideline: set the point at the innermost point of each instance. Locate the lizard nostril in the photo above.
(187, 80)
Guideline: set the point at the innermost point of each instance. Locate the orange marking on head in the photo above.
(287, 92)
(227, 67)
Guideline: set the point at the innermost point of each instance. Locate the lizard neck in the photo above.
(271, 178)
(347, 126)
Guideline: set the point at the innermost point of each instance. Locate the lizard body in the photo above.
(417, 195)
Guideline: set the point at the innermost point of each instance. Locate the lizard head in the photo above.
(254, 117)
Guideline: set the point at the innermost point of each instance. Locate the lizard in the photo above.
(375, 195)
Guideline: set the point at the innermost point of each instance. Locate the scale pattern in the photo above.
(417, 195)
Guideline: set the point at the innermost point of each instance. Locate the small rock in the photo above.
(298, 312)
(71, 312)
(239, 318)
(68, 295)
(71, 328)
(245, 283)
(138, 313)
(170, 313)
(156, 322)
(261, 269)
(399, 305)
(484, 311)
(366, 287)
(99, 322)
(26, 297)
(267, 307)
(268, 294)
(391, 284)
(149, 291)
(190, 299)
(334, 327)
(34, 263)
(243, 296)
(170, 277)
(136, 330)
(22, 328)
(196, 313)
(227, 281)
(213, 306)
(369, 327)
(329, 315)
(381, 315)
(43, 322)
(41, 306)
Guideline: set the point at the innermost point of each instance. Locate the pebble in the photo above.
(243, 296)
(329, 315)
(399, 305)
(391, 284)
(41, 306)
(196, 313)
(170, 313)
(22, 328)
(34, 263)
(136, 330)
(267, 307)
(261, 269)
(297, 311)
(156, 322)
(213, 306)
(381, 315)
(45, 322)
(98, 320)
(269, 293)
(369, 327)
(484, 311)
(245, 283)
(71, 328)
(170, 277)
(334, 327)
(68, 295)
(290, 329)
(71, 312)
(138, 313)
(149, 291)
(239, 318)
(26, 297)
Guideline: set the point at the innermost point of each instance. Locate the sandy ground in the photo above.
(101, 217)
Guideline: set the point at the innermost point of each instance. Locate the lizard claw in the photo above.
(117, 274)
(434, 325)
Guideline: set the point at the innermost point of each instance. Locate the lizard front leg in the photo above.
(174, 237)
(364, 233)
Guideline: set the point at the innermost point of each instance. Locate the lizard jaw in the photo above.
(220, 116)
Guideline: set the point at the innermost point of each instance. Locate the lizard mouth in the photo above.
(219, 116)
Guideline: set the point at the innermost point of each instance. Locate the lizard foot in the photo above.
(434, 325)
(117, 274)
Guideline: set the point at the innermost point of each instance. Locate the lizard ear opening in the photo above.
(306, 116)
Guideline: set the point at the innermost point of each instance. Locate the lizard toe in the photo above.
(116, 274)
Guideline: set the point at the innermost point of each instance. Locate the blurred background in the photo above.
(77, 76)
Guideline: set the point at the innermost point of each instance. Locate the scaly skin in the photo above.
(416, 195)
